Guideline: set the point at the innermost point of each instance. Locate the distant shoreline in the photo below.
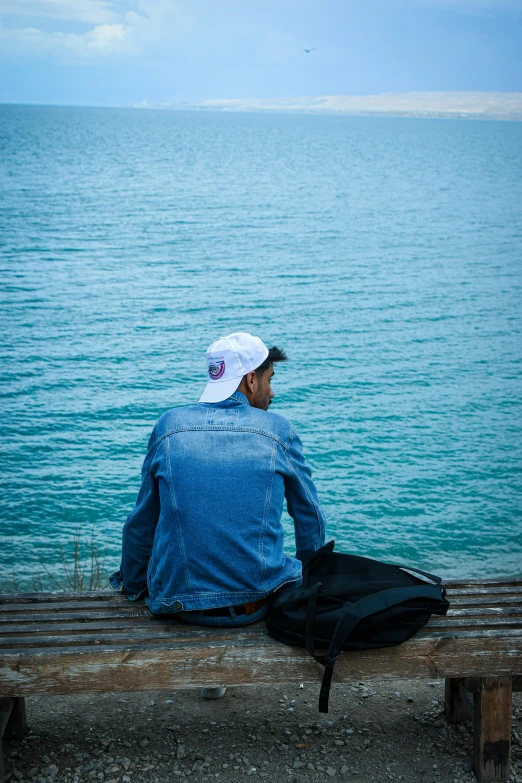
(333, 113)
(438, 105)
(497, 106)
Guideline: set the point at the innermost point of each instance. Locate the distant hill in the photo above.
(474, 105)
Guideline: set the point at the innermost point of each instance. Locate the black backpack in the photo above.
(346, 602)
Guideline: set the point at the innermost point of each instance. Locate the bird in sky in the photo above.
(309, 50)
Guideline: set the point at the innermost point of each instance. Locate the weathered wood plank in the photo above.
(507, 619)
(450, 621)
(266, 661)
(484, 601)
(503, 581)
(70, 606)
(154, 631)
(58, 601)
(484, 611)
(252, 635)
(60, 595)
(492, 729)
(80, 625)
(99, 608)
(132, 610)
(108, 614)
(505, 633)
(487, 589)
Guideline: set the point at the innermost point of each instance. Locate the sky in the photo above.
(130, 52)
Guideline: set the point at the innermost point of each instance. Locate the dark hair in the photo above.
(275, 354)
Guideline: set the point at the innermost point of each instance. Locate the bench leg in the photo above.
(17, 723)
(13, 723)
(456, 705)
(492, 729)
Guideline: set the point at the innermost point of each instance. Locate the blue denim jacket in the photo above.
(206, 529)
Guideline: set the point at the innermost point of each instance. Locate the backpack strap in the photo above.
(372, 604)
(352, 616)
(311, 612)
(433, 578)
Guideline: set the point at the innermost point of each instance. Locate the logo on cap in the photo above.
(216, 370)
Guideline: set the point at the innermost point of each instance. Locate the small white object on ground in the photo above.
(213, 693)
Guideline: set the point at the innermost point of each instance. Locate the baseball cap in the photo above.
(228, 359)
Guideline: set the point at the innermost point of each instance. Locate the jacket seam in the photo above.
(123, 543)
(268, 498)
(178, 526)
(221, 427)
(303, 484)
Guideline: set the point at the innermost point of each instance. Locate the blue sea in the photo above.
(383, 254)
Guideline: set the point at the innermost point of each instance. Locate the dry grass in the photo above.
(83, 569)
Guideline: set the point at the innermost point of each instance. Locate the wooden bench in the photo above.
(98, 642)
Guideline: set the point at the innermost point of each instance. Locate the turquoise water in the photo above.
(384, 255)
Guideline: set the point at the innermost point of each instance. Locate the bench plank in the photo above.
(60, 634)
(234, 661)
(486, 617)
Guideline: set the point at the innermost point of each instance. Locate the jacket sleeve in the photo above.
(138, 531)
(302, 502)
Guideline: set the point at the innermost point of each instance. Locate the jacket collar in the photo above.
(237, 397)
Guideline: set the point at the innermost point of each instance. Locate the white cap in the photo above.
(228, 359)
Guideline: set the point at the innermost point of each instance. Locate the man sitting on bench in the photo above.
(205, 537)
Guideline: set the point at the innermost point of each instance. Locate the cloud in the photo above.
(114, 34)
(88, 11)
(102, 40)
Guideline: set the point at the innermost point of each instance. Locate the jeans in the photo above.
(233, 621)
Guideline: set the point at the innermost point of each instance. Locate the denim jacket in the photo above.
(206, 530)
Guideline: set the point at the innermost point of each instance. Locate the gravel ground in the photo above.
(376, 731)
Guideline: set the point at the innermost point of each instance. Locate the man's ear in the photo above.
(251, 380)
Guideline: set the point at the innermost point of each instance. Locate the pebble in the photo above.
(331, 771)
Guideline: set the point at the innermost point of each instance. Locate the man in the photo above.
(205, 537)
